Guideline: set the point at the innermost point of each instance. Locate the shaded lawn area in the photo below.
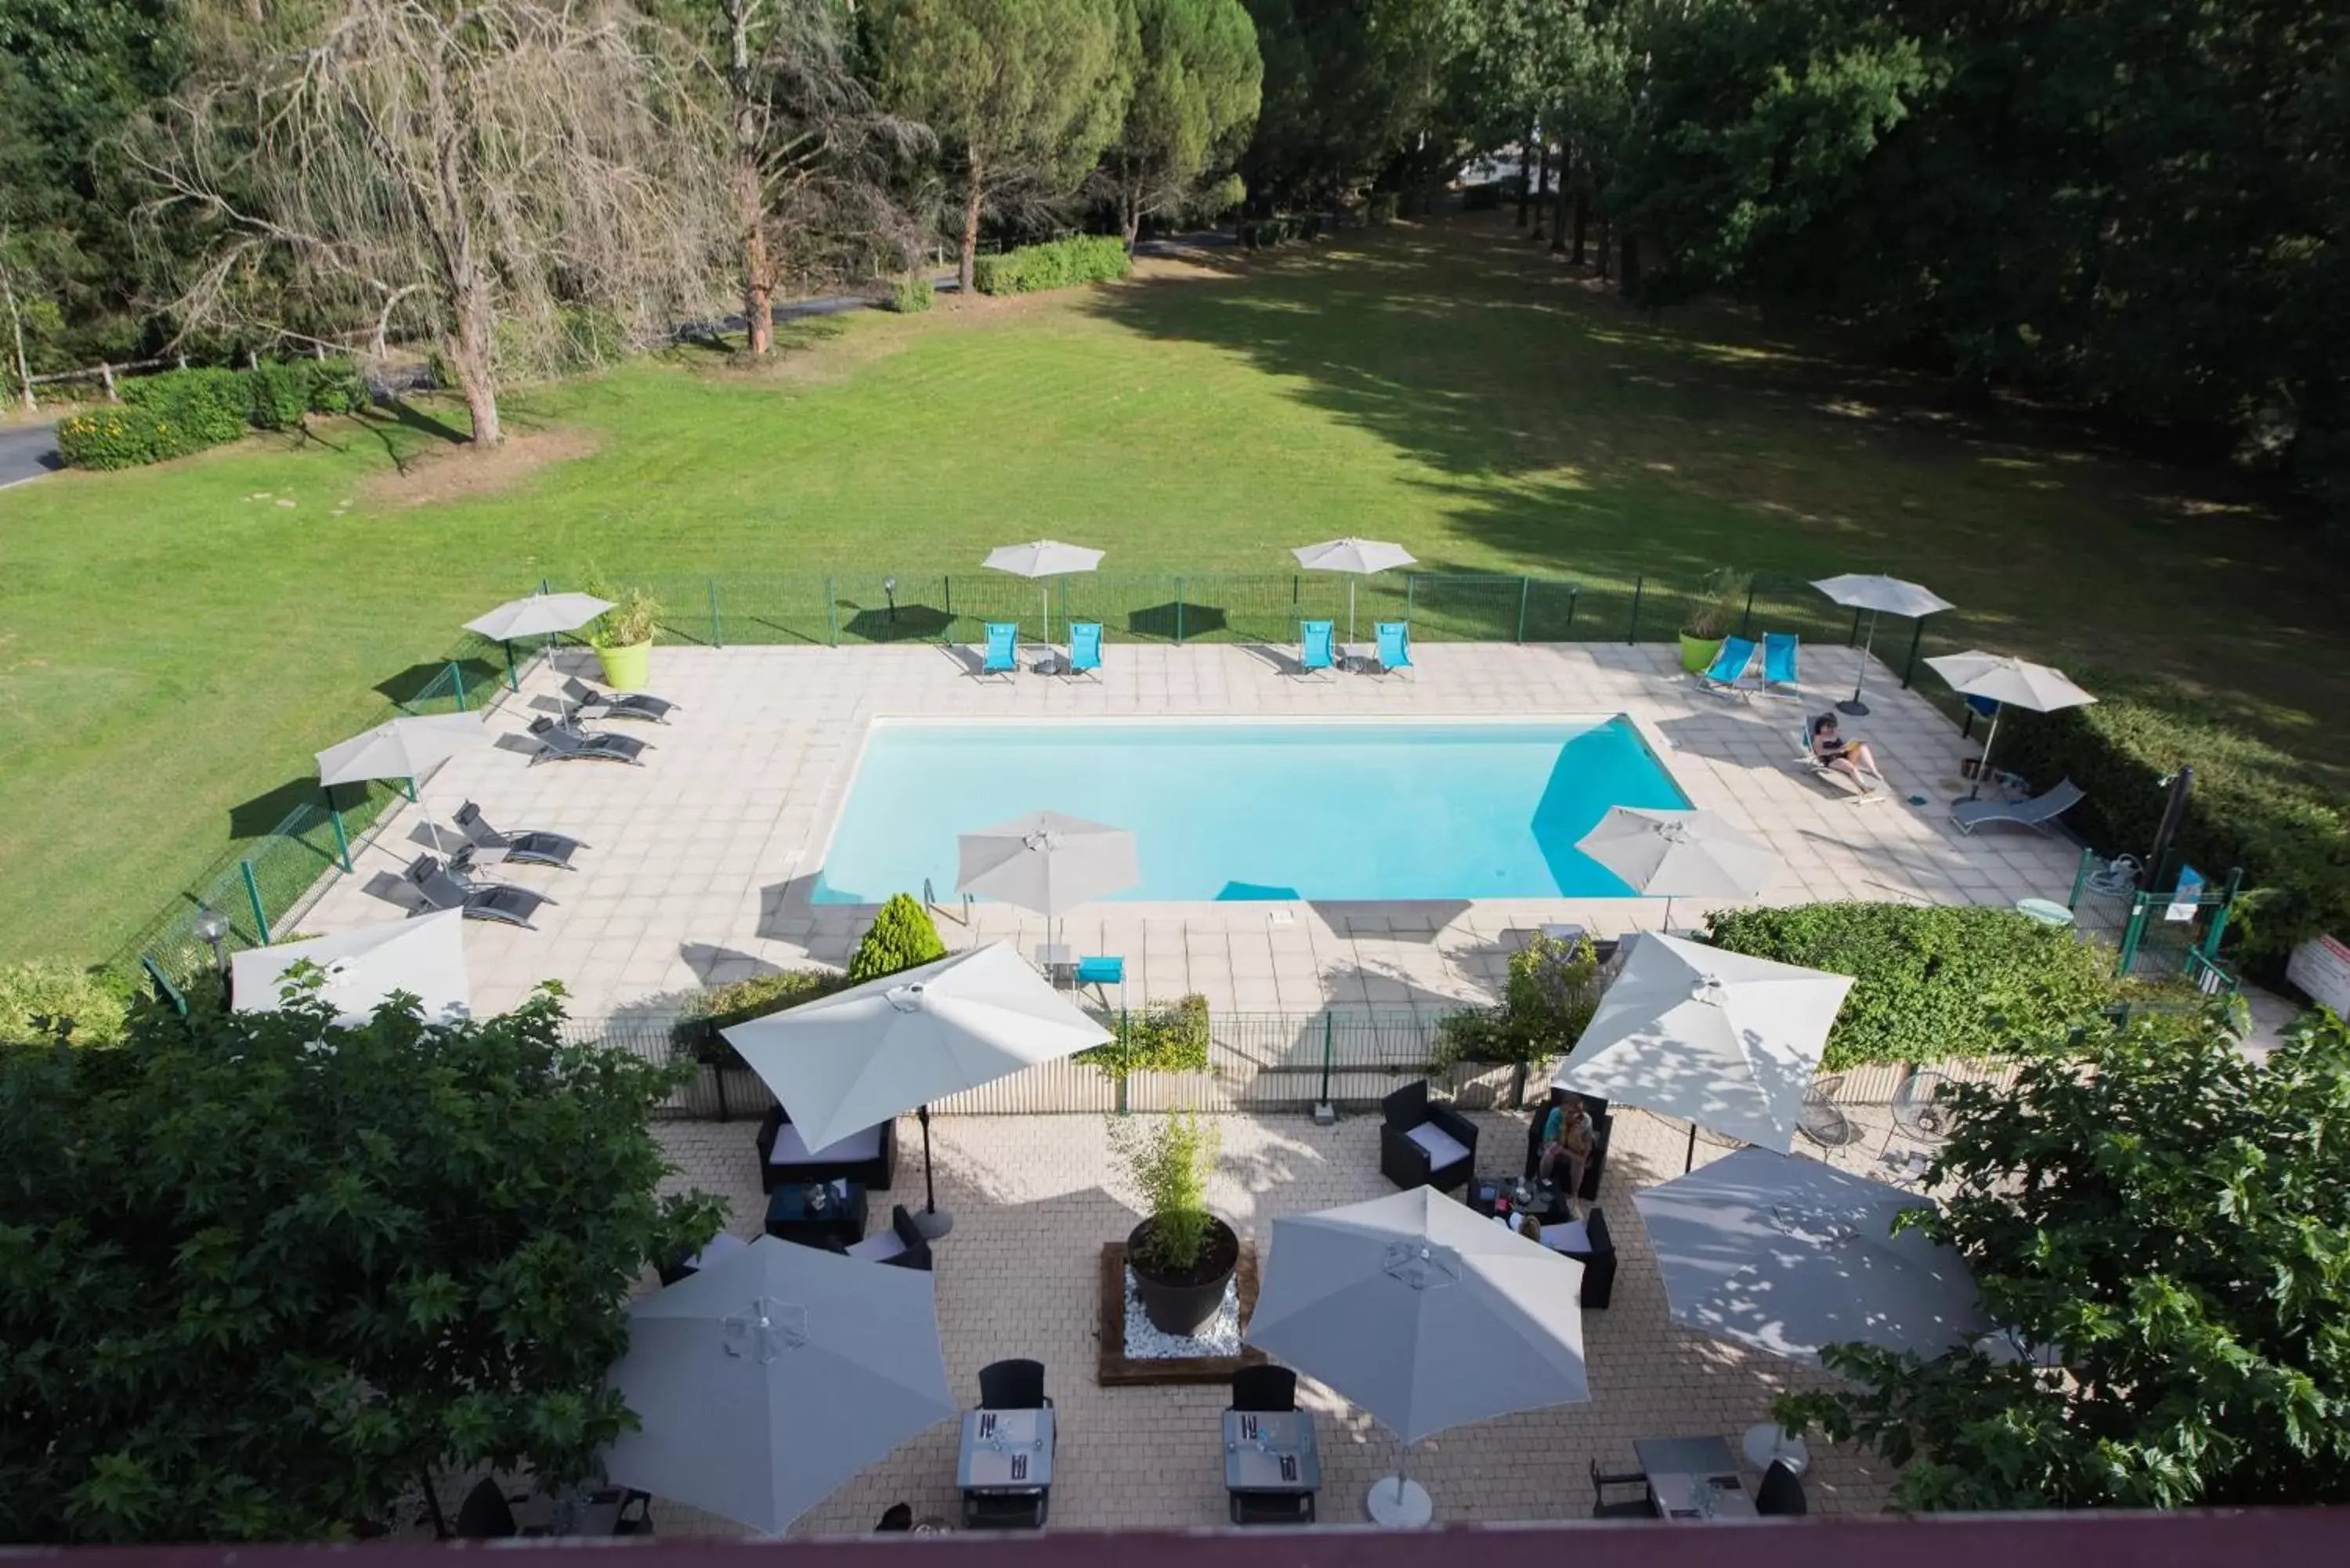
(174, 644)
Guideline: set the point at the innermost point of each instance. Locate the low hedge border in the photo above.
(1063, 263)
(182, 412)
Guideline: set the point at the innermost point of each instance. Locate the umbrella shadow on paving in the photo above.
(264, 812)
(907, 623)
(1165, 622)
(1582, 788)
(1416, 921)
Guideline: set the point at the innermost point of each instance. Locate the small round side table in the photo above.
(1767, 1444)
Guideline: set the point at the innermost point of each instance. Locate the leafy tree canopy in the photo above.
(1196, 84)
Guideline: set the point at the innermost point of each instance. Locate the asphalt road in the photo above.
(27, 452)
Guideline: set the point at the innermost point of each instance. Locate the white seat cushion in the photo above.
(879, 1249)
(1567, 1236)
(1441, 1146)
(793, 1149)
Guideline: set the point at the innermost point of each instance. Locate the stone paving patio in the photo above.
(701, 862)
(1018, 1277)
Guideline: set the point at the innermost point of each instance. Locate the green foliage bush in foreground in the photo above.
(2181, 1245)
(2254, 806)
(1063, 263)
(1931, 983)
(901, 936)
(260, 1273)
(44, 998)
(911, 295)
(1170, 1037)
(182, 412)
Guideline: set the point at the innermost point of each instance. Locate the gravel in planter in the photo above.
(1222, 1335)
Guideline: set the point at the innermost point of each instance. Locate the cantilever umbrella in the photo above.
(771, 1376)
(1425, 1314)
(405, 748)
(1680, 854)
(862, 1055)
(2010, 682)
(540, 615)
(1047, 862)
(1788, 1254)
(1357, 558)
(1715, 1037)
(1879, 595)
(1042, 558)
(424, 957)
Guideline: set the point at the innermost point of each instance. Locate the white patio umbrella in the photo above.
(2010, 682)
(1426, 1315)
(424, 957)
(405, 748)
(1680, 854)
(771, 1376)
(856, 1058)
(540, 615)
(1047, 862)
(1879, 595)
(1358, 557)
(1042, 558)
(1787, 1254)
(1715, 1037)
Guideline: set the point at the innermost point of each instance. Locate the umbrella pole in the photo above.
(1399, 1501)
(1983, 767)
(931, 1221)
(1048, 623)
(1688, 1157)
(1853, 704)
(1350, 611)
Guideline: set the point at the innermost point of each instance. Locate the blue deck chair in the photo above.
(1737, 653)
(1085, 648)
(1778, 650)
(1314, 649)
(1002, 651)
(1395, 645)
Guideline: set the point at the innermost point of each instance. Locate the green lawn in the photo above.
(171, 649)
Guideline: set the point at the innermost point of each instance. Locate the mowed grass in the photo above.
(173, 649)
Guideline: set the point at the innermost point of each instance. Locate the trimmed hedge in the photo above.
(705, 1012)
(1168, 1037)
(911, 296)
(1931, 983)
(1063, 263)
(901, 936)
(2252, 806)
(183, 411)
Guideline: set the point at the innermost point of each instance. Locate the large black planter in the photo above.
(1183, 1303)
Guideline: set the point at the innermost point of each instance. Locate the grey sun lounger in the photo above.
(2038, 812)
(586, 702)
(441, 887)
(529, 849)
(564, 741)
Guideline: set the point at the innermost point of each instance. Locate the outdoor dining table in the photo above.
(1692, 1480)
(1271, 1451)
(1005, 1451)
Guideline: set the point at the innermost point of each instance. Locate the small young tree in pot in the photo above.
(1713, 609)
(1182, 1256)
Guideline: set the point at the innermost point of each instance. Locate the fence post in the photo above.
(2210, 948)
(457, 683)
(717, 639)
(1916, 637)
(1526, 587)
(946, 588)
(1410, 581)
(513, 677)
(1639, 585)
(1573, 597)
(342, 840)
(831, 615)
(1179, 612)
(1326, 1027)
(253, 892)
(1746, 623)
(2080, 876)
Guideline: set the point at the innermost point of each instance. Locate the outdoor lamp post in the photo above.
(890, 587)
(214, 929)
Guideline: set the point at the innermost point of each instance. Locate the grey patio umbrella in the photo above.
(424, 957)
(404, 748)
(2010, 682)
(1786, 1254)
(771, 1376)
(1357, 558)
(1425, 1314)
(1718, 1038)
(1680, 854)
(1041, 558)
(850, 1061)
(1879, 595)
(540, 615)
(1047, 862)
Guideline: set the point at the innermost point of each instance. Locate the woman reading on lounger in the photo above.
(1853, 757)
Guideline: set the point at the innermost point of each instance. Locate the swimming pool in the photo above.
(1227, 809)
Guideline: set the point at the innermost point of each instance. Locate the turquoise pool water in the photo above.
(1333, 810)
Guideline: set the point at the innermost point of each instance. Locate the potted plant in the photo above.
(1713, 609)
(1552, 990)
(1181, 1256)
(622, 636)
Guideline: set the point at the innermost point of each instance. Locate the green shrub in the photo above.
(212, 406)
(1170, 1037)
(1063, 263)
(122, 437)
(1929, 983)
(911, 295)
(280, 394)
(1171, 1162)
(901, 936)
(705, 1012)
(180, 411)
(2254, 806)
(89, 1008)
(1551, 994)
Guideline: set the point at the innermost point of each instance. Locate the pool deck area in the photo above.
(701, 862)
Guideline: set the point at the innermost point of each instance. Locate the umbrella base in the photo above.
(1854, 706)
(1399, 1504)
(933, 1223)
